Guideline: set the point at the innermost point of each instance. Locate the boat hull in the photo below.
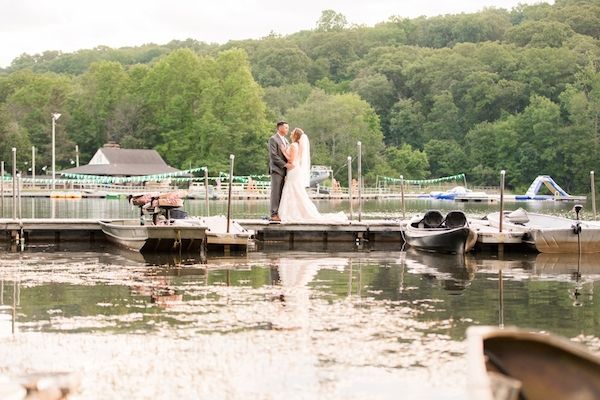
(148, 238)
(550, 234)
(508, 363)
(438, 239)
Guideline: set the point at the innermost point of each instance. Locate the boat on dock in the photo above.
(217, 234)
(171, 236)
(550, 234)
(433, 232)
(511, 363)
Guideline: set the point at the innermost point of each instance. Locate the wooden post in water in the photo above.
(33, 167)
(350, 184)
(231, 158)
(500, 299)
(593, 193)
(19, 194)
(2, 190)
(359, 164)
(14, 183)
(502, 176)
(206, 191)
(402, 196)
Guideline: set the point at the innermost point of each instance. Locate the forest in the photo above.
(427, 97)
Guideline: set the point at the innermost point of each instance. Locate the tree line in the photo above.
(476, 93)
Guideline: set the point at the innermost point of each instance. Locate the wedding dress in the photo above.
(295, 205)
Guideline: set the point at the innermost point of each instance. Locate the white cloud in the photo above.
(34, 26)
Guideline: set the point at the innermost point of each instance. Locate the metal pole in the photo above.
(33, 167)
(402, 196)
(76, 155)
(2, 190)
(593, 193)
(19, 194)
(501, 299)
(502, 177)
(359, 181)
(53, 152)
(14, 183)
(206, 191)
(231, 158)
(350, 184)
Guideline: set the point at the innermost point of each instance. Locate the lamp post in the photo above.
(55, 117)
(77, 155)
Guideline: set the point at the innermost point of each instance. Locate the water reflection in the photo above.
(280, 324)
(453, 271)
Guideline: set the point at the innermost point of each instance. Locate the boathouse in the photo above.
(112, 160)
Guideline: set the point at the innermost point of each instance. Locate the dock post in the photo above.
(350, 184)
(231, 158)
(402, 196)
(501, 218)
(593, 193)
(359, 144)
(14, 183)
(206, 191)
(33, 167)
(19, 187)
(2, 190)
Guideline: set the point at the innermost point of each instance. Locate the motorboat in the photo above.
(548, 233)
(184, 234)
(433, 232)
(511, 363)
(162, 225)
(217, 234)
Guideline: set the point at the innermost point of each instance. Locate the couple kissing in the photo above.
(289, 167)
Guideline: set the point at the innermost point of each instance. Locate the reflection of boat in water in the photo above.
(567, 264)
(456, 271)
(512, 363)
(433, 232)
(176, 235)
(550, 234)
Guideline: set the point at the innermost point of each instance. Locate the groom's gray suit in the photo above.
(277, 169)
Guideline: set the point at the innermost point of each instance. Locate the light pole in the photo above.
(77, 155)
(55, 117)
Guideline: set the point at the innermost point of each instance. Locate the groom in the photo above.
(278, 166)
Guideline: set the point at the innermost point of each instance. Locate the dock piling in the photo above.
(14, 183)
(231, 159)
(593, 183)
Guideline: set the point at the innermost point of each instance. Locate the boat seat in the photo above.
(432, 219)
(455, 219)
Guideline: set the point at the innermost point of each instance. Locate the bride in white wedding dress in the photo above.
(296, 206)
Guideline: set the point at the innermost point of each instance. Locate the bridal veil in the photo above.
(304, 150)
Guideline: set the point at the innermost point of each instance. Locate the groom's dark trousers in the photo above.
(277, 170)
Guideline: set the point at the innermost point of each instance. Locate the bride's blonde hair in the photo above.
(296, 133)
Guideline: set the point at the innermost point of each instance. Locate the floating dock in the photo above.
(365, 234)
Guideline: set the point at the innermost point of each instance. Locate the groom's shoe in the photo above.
(275, 218)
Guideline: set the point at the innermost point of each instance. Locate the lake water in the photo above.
(276, 324)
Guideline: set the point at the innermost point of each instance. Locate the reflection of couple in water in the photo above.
(294, 276)
(289, 166)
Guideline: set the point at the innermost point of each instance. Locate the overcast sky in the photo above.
(34, 26)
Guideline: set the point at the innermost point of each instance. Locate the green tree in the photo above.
(403, 160)
(335, 123)
(406, 124)
(331, 21)
(443, 120)
(446, 157)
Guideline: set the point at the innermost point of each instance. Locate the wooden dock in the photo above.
(371, 234)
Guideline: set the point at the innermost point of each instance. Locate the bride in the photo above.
(295, 205)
